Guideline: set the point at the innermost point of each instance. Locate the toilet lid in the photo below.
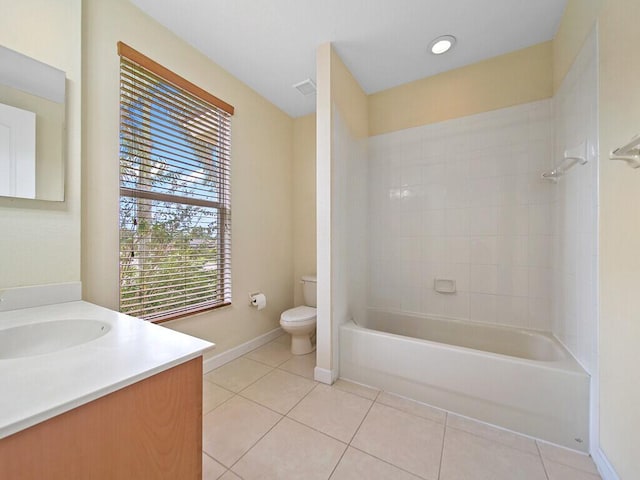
(298, 314)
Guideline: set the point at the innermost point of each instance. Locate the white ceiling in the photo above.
(270, 44)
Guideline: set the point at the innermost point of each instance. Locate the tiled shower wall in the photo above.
(576, 209)
(463, 200)
(348, 225)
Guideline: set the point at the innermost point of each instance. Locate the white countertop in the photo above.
(36, 388)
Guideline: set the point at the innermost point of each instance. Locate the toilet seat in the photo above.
(299, 315)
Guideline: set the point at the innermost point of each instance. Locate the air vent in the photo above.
(306, 87)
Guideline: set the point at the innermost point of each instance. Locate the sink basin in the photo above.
(48, 337)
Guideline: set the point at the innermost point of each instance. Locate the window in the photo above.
(175, 212)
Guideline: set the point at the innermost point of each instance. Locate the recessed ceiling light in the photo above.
(442, 44)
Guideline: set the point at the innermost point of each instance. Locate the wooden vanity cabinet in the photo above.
(149, 430)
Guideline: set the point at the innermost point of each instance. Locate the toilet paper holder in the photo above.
(258, 300)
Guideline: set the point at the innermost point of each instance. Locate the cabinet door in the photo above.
(149, 430)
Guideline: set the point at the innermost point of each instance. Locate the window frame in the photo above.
(222, 206)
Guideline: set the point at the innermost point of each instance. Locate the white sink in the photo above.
(48, 337)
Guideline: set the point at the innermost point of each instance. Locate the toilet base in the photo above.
(301, 344)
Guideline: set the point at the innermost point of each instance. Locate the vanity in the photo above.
(89, 393)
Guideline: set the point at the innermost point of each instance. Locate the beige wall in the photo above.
(619, 224)
(40, 241)
(577, 21)
(304, 201)
(349, 98)
(619, 238)
(261, 175)
(518, 77)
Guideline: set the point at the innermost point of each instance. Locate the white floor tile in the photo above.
(285, 339)
(213, 395)
(469, 457)
(230, 476)
(412, 407)
(278, 390)
(357, 389)
(406, 441)
(302, 365)
(211, 470)
(357, 465)
(332, 411)
(291, 451)
(272, 354)
(558, 471)
(505, 437)
(567, 457)
(238, 374)
(230, 430)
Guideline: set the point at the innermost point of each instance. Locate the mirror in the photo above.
(32, 116)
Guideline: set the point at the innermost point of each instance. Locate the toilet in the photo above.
(300, 322)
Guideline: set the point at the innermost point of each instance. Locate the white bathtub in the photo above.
(518, 379)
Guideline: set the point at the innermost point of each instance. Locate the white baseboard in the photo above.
(235, 352)
(325, 376)
(605, 468)
(39, 295)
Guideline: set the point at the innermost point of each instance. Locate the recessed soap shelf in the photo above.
(443, 285)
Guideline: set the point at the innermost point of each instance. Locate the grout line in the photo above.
(257, 441)
(237, 394)
(216, 385)
(375, 399)
(368, 453)
(205, 453)
(264, 363)
(262, 346)
(492, 440)
(350, 392)
(544, 467)
(318, 431)
(413, 414)
(387, 462)
(444, 437)
(347, 445)
(338, 462)
(298, 375)
(362, 421)
(227, 471)
(571, 452)
(221, 404)
(255, 381)
(303, 397)
(275, 411)
(279, 367)
(377, 391)
(226, 388)
(234, 473)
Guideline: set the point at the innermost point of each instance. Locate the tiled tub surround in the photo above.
(463, 200)
(575, 211)
(266, 418)
(518, 379)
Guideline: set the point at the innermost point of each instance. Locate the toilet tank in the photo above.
(309, 283)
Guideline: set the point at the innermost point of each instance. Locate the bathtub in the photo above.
(517, 379)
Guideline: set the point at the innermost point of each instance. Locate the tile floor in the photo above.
(266, 418)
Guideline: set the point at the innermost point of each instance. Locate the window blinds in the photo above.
(175, 208)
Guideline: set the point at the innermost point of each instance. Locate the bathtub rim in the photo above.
(568, 363)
